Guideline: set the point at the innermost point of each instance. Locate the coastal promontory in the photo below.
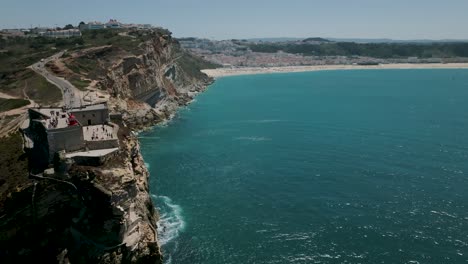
(73, 184)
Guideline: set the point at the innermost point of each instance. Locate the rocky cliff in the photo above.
(84, 214)
(146, 81)
(102, 213)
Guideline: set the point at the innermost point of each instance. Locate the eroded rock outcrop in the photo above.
(149, 81)
(155, 79)
(90, 214)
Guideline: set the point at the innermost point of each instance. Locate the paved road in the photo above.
(72, 97)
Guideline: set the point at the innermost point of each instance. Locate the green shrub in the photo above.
(8, 104)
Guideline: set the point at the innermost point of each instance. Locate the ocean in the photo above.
(358, 166)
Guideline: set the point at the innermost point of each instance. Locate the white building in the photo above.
(66, 33)
(113, 23)
(92, 25)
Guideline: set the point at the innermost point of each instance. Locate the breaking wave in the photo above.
(171, 221)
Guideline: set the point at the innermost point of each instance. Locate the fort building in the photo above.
(79, 132)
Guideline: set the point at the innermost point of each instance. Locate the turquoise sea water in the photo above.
(320, 167)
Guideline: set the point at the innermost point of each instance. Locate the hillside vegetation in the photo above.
(17, 53)
(8, 104)
(14, 169)
(25, 82)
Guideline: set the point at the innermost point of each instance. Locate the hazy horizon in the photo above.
(361, 19)
(332, 38)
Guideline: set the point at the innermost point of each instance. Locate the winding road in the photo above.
(72, 97)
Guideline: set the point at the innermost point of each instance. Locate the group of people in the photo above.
(71, 94)
(101, 133)
(54, 115)
(53, 122)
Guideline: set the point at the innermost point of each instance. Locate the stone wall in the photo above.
(68, 138)
(102, 144)
(39, 153)
(91, 117)
(94, 161)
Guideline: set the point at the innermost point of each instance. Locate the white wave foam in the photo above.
(166, 122)
(442, 213)
(171, 221)
(253, 138)
(329, 256)
(147, 165)
(264, 121)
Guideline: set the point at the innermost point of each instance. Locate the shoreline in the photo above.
(224, 72)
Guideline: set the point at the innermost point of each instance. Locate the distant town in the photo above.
(320, 51)
(70, 30)
(277, 52)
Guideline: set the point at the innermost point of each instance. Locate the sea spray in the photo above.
(171, 221)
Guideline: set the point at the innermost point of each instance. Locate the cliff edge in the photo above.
(99, 211)
(83, 213)
(145, 75)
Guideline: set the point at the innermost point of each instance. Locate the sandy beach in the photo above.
(221, 72)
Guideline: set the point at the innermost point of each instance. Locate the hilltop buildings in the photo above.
(111, 24)
(55, 32)
(66, 33)
(11, 33)
(41, 32)
(91, 26)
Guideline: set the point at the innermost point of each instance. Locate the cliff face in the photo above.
(147, 82)
(158, 78)
(103, 214)
(86, 214)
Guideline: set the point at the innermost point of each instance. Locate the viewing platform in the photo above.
(80, 132)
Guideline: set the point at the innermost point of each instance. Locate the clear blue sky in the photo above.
(222, 19)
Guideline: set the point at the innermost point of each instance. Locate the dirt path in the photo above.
(10, 124)
(20, 110)
(12, 119)
(7, 96)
